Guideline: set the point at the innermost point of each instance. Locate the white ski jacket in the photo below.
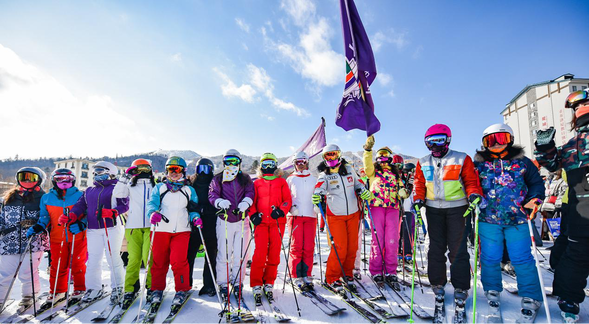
(139, 195)
(173, 206)
(302, 185)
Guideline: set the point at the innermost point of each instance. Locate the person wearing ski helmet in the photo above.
(272, 201)
(136, 184)
(398, 162)
(208, 213)
(388, 189)
(338, 183)
(19, 211)
(58, 201)
(445, 183)
(408, 220)
(511, 183)
(232, 191)
(175, 202)
(572, 268)
(101, 209)
(302, 221)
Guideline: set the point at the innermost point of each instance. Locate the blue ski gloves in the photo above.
(34, 230)
(78, 227)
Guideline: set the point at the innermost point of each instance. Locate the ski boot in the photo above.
(149, 295)
(179, 298)
(157, 296)
(337, 286)
(269, 293)
(357, 274)
(378, 280)
(116, 296)
(299, 282)
(351, 285)
(529, 310)
(91, 294)
(128, 299)
(408, 259)
(393, 281)
(58, 297)
(77, 294)
(439, 306)
(209, 291)
(508, 269)
(460, 296)
(237, 292)
(223, 292)
(257, 290)
(493, 298)
(308, 283)
(26, 301)
(568, 311)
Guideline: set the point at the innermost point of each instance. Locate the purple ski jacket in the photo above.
(99, 196)
(232, 191)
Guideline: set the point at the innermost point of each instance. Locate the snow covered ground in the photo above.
(206, 309)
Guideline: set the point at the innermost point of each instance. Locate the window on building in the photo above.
(84, 183)
(73, 165)
(583, 87)
(84, 166)
(574, 88)
(84, 174)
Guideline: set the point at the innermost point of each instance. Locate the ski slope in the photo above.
(205, 309)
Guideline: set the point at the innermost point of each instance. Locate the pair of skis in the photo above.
(151, 309)
(73, 309)
(276, 312)
(323, 304)
(23, 308)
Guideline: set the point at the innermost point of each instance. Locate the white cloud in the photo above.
(292, 148)
(383, 78)
(39, 109)
(301, 11)
(269, 118)
(242, 25)
(176, 58)
(245, 92)
(391, 93)
(244, 45)
(389, 37)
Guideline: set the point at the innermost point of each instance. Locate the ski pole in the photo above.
(413, 249)
(33, 282)
(287, 267)
(534, 211)
(227, 262)
(288, 256)
(384, 267)
(240, 262)
(476, 259)
(333, 246)
(20, 262)
(69, 278)
(210, 267)
(58, 266)
(319, 250)
(417, 217)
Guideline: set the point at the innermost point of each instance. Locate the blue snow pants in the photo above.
(519, 243)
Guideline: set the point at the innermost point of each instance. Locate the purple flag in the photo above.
(356, 111)
(312, 146)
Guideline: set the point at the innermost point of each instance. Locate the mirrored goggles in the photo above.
(28, 177)
(143, 169)
(301, 161)
(63, 178)
(576, 97)
(436, 140)
(383, 159)
(174, 169)
(331, 156)
(496, 139)
(383, 153)
(99, 171)
(231, 161)
(267, 164)
(204, 168)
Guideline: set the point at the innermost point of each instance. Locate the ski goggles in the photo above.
(144, 168)
(99, 171)
(63, 178)
(331, 156)
(383, 153)
(497, 139)
(174, 169)
(28, 177)
(233, 160)
(301, 162)
(267, 164)
(436, 140)
(576, 97)
(384, 159)
(204, 168)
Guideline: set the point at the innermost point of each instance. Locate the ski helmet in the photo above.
(574, 100)
(232, 157)
(500, 134)
(176, 164)
(205, 166)
(437, 139)
(268, 163)
(409, 167)
(300, 156)
(63, 178)
(577, 97)
(398, 161)
(30, 177)
(143, 166)
(384, 151)
(108, 168)
(332, 155)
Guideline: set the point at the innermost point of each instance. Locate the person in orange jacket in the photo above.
(271, 203)
(445, 183)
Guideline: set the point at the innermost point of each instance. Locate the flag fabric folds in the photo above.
(312, 146)
(356, 110)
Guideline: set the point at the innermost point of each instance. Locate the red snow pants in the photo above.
(302, 245)
(344, 230)
(266, 254)
(170, 248)
(78, 265)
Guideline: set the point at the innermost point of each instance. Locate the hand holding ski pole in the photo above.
(534, 204)
(473, 204)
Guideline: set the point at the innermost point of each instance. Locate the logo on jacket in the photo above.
(350, 179)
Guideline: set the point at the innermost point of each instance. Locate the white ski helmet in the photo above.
(332, 162)
(498, 128)
(300, 156)
(112, 169)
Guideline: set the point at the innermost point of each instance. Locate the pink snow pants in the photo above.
(386, 224)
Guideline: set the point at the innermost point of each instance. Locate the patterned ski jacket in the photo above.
(387, 187)
(16, 217)
(573, 157)
(508, 184)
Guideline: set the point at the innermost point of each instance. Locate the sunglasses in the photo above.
(99, 171)
(330, 156)
(231, 161)
(268, 164)
(206, 169)
(63, 178)
(436, 140)
(174, 169)
(576, 97)
(301, 162)
(28, 177)
(496, 139)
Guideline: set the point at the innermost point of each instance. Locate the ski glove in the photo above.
(473, 197)
(369, 143)
(366, 195)
(532, 204)
(243, 206)
(277, 213)
(316, 199)
(155, 218)
(256, 219)
(36, 229)
(109, 213)
(65, 219)
(223, 204)
(545, 138)
(417, 205)
(196, 220)
(78, 227)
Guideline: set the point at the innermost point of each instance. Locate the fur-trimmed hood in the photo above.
(322, 167)
(278, 172)
(513, 153)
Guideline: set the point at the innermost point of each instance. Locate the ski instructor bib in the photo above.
(444, 186)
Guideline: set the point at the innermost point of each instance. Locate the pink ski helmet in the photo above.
(439, 144)
(439, 129)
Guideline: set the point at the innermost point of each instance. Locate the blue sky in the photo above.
(96, 78)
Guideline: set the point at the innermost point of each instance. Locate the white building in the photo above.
(83, 171)
(539, 106)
